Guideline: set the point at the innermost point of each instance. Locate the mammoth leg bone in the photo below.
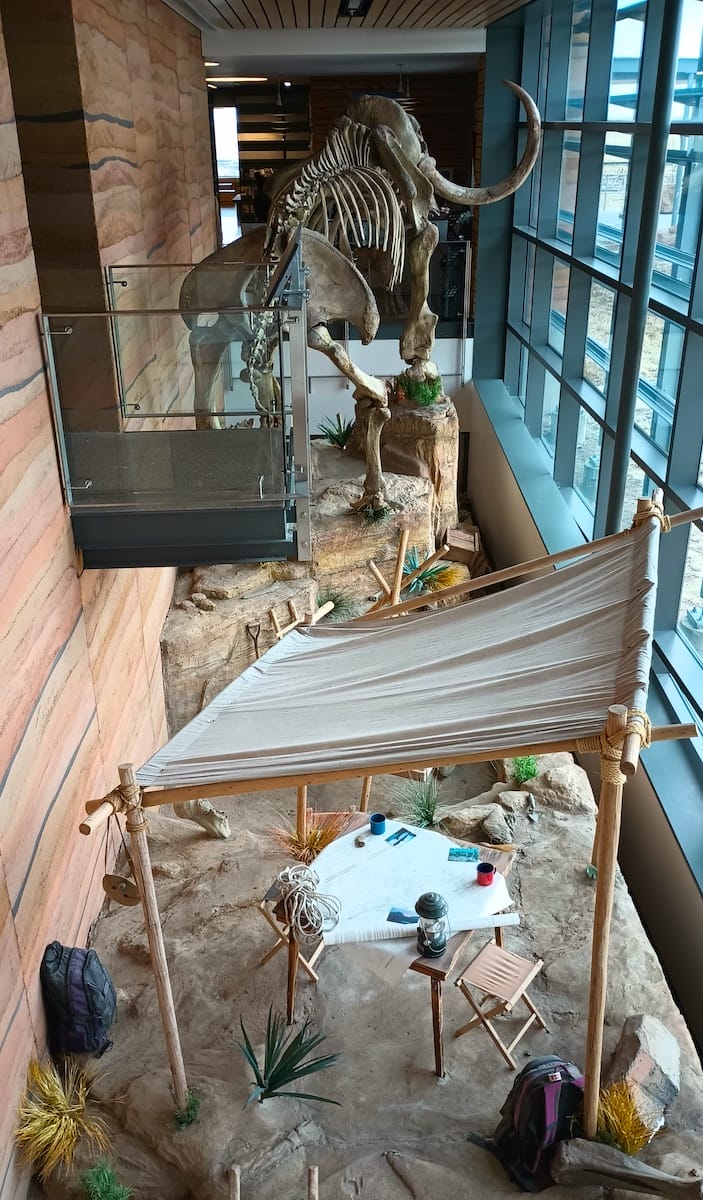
(418, 336)
(373, 391)
(583, 1164)
(208, 344)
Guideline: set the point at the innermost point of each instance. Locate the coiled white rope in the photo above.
(309, 913)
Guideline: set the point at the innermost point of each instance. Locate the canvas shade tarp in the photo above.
(536, 663)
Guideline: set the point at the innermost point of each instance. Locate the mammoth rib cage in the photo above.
(361, 208)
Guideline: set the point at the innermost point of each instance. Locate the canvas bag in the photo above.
(79, 1000)
(538, 1112)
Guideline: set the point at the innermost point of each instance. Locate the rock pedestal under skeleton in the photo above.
(420, 441)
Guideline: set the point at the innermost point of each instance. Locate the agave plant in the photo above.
(338, 432)
(285, 1060)
(54, 1114)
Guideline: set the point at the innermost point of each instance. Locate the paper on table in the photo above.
(387, 959)
(370, 880)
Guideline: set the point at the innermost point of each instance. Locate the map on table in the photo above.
(382, 875)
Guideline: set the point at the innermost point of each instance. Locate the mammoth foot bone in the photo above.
(581, 1164)
(202, 813)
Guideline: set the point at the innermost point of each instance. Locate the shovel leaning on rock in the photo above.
(581, 1164)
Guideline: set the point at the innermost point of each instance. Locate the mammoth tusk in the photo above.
(497, 191)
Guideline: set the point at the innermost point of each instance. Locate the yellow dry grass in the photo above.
(54, 1114)
(619, 1118)
(322, 829)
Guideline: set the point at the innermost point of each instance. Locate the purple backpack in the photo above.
(79, 1001)
(541, 1109)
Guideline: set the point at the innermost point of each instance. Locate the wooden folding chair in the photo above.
(502, 978)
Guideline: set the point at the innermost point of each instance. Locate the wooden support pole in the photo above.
(293, 958)
(301, 814)
(609, 809)
(313, 1184)
(380, 579)
(235, 1179)
(400, 562)
(136, 827)
(365, 793)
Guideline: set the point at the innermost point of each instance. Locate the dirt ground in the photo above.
(400, 1131)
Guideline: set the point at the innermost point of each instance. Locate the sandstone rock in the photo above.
(464, 821)
(223, 582)
(204, 651)
(649, 1058)
(167, 870)
(566, 788)
(203, 602)
(212, 820)
(498, 826)
(420, 440)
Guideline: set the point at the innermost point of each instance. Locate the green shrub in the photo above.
(185, 1116)
(100, 1183)
(524, 768)
(421, 391)
(285, 1060)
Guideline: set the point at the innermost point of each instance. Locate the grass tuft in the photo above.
(421, 391)
(322, 829)
(186, 1116)
(286, 1059)
(100, 1183)
(54, 1114)
(524, 768)
(619, 1121)
(338, 432)
(344, 607)
(417, 802)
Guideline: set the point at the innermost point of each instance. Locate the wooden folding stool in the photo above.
(503, 979)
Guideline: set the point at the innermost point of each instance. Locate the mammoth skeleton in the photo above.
(372, 186)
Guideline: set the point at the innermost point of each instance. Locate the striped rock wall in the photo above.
(79, 654)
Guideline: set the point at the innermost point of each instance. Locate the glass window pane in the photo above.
(226, 143)
(659, 379)
(687, 95)
(679, 215)
(550, 412)
(613, 197)
(571, 150)
(599, 336)
(587, 466)
(690, 624)
(529, 282)
(557, 311)
(578, 57)
(637, 484)
(627, 54)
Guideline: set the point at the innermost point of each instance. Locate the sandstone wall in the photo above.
(79, 655)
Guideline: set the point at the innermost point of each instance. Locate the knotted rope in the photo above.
(309, 913)
(653, 508)
(610, 746)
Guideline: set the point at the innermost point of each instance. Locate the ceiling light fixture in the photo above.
(287, 83)
(213, 86)
(354, 8)
(211, 64)
(237, 78)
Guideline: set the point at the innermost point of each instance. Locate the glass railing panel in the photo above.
(141, 424)
(228, 284)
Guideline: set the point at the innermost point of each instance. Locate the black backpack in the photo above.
(539, 1112)
(79, 1001)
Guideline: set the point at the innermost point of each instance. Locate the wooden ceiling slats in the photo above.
(383, 14)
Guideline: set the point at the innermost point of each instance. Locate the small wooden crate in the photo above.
(463, 543)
